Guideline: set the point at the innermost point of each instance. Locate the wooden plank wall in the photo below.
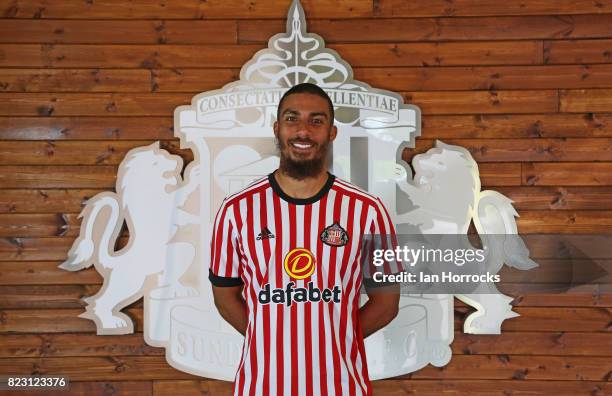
(525, 85)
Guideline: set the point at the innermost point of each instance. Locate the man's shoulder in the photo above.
(356, 191)
(252, 188)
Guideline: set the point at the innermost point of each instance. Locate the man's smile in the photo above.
(301, 146)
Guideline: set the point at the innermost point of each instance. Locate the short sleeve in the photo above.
(225, 267)
(380, 237)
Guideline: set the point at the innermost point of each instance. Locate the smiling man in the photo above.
(286, 273)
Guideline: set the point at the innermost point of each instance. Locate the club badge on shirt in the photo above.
(334, 235)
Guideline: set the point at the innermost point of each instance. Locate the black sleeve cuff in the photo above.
(222, 281)
(370, 283)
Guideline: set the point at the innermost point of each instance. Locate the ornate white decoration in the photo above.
(230, 133)
(150, 175)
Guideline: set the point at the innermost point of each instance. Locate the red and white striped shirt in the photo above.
(299, 261)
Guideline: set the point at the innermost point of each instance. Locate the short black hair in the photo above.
(309, 89)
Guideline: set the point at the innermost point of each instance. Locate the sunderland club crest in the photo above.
(229, 130)
(334, 235)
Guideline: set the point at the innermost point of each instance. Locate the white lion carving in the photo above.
(148, 200)
(446, 196)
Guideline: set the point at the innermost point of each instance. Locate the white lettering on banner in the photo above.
(201, 348)
(270, 98)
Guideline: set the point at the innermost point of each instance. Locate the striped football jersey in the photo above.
(299, 263)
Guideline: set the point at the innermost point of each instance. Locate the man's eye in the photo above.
(290, 118)
(317, 121)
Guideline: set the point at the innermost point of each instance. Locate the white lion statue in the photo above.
(148, 200)
(446, 197)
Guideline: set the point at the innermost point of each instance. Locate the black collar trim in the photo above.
(301, 201)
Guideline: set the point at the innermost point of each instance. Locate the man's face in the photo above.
(304, 132)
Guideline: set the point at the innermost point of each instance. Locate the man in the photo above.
(286, 264)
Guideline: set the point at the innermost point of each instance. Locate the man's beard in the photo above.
(301, 169)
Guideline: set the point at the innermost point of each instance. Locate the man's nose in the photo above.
(302, 129)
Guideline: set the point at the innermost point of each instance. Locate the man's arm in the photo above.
(232, 306)
(381, 308)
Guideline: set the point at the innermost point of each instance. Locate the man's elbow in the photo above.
(222, 306)
(218, 304)
(228, 301)
(391, 312)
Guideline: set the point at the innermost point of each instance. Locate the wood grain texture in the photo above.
(484, 102)
(485, 126)
(17, 249)
(112, 80)
(227, 55)
(559, 198)
(180, 9)
(44, 201)
(460, 78)
(463, 78)
(490, 387)
(567, 174)
(56, 31)
(98, 388)
(534, 198)
(193, 388)
(100, 176)
(159, 104)
(433, 29)
(479, 126)
(74, 80)
(89, 104)
(38, 249)
(125, 56)
(441, 54)
(32, 321)
(524, 197)
(484, 7)
(596, 100)
(63, 104)
(76, 152)
(89, 128)
(45, 296)
(530, 222)
(419, 387)
(565, 222)
(547, 319)
(45, 273)
(104, 176)
(577, 51)
(125, 368)
(510, 343)
(529, 150)
(83, 344)
(38, 294)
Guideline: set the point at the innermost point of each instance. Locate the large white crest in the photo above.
(230, 133)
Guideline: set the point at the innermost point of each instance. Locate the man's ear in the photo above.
(333, 133)
(275, 128)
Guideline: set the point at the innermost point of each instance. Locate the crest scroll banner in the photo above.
(230, 133)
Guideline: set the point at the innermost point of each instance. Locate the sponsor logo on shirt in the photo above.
(299, 264)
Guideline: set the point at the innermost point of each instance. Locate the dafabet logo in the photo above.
(299, 264)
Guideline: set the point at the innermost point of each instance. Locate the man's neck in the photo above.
(300, 188)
